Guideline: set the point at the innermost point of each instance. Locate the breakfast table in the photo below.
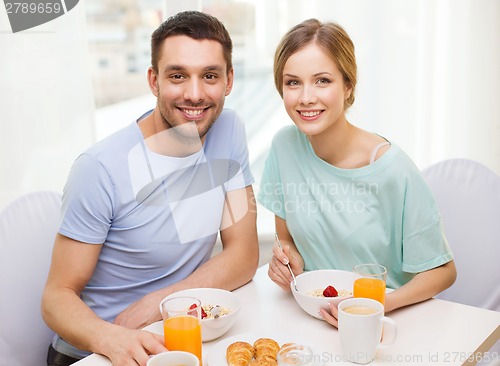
(433, 332)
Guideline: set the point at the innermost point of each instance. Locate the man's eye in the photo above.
(211, 76)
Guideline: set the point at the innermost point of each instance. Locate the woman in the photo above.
(341, 195)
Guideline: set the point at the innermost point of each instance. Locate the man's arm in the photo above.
(230, 269)
(73, 264)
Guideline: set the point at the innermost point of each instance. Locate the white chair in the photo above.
(27, 230)
(468, 196)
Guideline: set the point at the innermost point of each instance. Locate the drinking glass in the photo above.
(371, 283)
(182, 324)
(294, 354)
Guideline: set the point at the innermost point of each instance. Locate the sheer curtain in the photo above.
(429, 78)
(46, 103)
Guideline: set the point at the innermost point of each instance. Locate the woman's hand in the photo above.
(278, 271)
(332, 316)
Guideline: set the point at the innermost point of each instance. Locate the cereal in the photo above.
(319, 293)
(208, 310)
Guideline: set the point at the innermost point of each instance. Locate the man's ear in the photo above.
(230, 79)
(153, 81)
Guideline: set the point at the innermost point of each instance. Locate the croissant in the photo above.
(264, 362)
(266, 350)
(239, 354)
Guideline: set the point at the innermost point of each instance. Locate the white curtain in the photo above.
(46, 103)
(429, 75)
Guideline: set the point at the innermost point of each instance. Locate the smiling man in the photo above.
(142, 209)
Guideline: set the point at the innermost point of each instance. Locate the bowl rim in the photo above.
(208, 289)
(305, 273)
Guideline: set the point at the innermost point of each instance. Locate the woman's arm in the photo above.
(278, 270)
(422, 287)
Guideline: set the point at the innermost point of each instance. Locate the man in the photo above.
(142, 209)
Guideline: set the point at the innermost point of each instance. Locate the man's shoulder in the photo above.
(123, 138)
(229, 116)
(227, 124)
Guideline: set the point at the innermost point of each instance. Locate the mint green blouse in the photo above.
(381, 213)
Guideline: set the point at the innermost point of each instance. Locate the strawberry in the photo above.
(203, 313)
(330, 291)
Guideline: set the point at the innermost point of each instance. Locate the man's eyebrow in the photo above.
(214, 68)
(175, 67)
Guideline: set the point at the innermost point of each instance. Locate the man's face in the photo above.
(191, 84)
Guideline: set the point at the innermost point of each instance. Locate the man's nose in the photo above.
(194, 91)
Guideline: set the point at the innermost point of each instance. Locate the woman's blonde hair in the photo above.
(331, 37)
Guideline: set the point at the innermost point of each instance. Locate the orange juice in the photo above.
(183, 333)
(372, 288)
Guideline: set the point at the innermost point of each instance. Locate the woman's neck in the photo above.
(335, 144)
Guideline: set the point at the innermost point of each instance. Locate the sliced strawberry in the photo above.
(193, 307)
(330, 291)
(203, 313)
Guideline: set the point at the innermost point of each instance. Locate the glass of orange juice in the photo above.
(371, 283)
(182, 324)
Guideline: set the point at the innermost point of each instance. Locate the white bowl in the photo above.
(214, 328)
(308, 282)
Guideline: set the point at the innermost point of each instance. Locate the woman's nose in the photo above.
(307, 95)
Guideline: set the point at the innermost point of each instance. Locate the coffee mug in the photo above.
(361, 321)
(174, 358)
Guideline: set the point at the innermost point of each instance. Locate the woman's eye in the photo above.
(324, 81)
(292, 83)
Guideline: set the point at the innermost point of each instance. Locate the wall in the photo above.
(46, 103)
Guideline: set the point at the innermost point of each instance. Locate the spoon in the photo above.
(288, 264)
(215, 311)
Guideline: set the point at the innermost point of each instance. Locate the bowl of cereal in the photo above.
(316, 289)
(220, 309)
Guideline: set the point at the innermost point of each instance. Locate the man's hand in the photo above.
(132, 347)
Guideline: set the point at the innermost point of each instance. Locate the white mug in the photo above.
(174, 358)
(360, 329)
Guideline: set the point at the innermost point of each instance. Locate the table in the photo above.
(434, 332)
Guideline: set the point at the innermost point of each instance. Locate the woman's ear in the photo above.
(347, 91)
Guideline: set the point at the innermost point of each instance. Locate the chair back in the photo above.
(468, 196)
(28, 227)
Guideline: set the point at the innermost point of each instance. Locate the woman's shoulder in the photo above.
(287, 134)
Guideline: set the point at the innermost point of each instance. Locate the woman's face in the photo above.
(314, 91)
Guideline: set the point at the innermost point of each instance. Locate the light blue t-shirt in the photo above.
(381, 213)
(157, 216)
